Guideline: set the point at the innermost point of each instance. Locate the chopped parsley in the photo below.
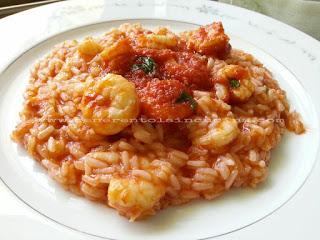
(186, 97)
(234, 83)
(146, 64)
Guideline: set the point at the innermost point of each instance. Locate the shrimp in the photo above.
(121, 47)
(89, 47)
(216, 135)
(159, 100)
(117, 54)
(233, 82)
(161, 39)
(109, 103)
(208, 40)
(134, 197)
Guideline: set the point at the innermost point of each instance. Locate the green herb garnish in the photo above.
(146, 64)
(186, 97)
(234, 83)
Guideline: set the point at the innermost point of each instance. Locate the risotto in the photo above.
(141, 120)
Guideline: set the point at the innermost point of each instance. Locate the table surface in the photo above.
(301, 14)
(31, 225)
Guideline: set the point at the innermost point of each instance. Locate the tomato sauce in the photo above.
(163, 75)
(175, 72)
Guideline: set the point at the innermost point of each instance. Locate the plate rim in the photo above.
(26, 49)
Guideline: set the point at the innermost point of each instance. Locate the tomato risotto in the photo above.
(140, 120)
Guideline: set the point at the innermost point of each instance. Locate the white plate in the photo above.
(278, 46)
